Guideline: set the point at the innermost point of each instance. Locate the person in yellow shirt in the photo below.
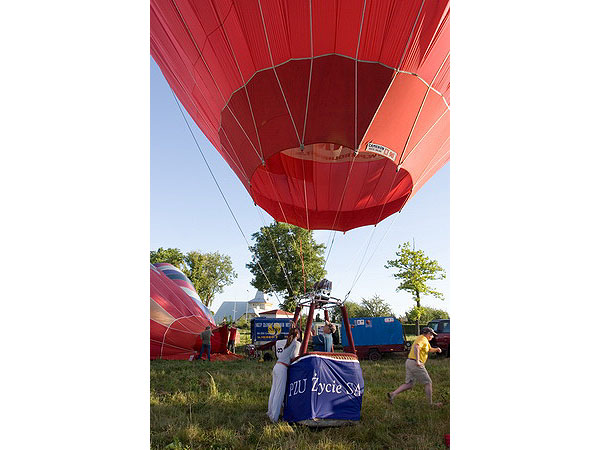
(415, 366)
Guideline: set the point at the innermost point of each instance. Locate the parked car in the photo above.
(442, 340)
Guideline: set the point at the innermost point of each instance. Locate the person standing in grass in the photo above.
(205, 335)
(232, 335)
(415, 366)
(286, 350)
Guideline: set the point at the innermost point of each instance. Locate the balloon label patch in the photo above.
(381, 150)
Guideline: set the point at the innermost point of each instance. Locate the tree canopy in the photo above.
(290, 258)
(425, 314)
(415, 271)
(208, 272)
(168, 255)
(375, 307)
(371, 307)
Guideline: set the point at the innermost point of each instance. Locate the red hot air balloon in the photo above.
(332, 113)
(176, 319)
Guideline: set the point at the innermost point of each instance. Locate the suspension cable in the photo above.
(283, 268)
(372, 254)
(222, 194)
(303, 272)
(225, 102)
(332, 234)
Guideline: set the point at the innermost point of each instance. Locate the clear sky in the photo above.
(188, 212)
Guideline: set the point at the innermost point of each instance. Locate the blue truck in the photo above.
(374, 336)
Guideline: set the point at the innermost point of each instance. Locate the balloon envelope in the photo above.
(331, 113)
(176, 318)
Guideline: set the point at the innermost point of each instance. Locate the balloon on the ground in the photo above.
(331, 113)
(176, 318)
(181, 280)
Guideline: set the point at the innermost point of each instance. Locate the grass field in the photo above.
(222, 405)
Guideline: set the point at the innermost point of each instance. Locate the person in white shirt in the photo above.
(287, 349)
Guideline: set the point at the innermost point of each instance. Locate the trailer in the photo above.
(265, 331)
(374, 336)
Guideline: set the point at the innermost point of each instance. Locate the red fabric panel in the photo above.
(218, 57)
(176, 339)
(372, 183)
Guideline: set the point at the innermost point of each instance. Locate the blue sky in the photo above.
(188, 212)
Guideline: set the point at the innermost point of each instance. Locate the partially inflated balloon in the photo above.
(176, 318)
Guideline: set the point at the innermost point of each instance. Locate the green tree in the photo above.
(415, 270)
(209, 273)
(352, 308)
(425, 314)
(168, 255)
(281, 250)
(374, 307)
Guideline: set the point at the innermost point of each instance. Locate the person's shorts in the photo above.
(416, 374)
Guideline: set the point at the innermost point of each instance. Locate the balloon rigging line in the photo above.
(332, 234)
(283, 268)
(307, 223)
(355, 124)
(182, 87)
(186, 330)
(363, 258)
(282, 211)
(374, 251)
(302, 259)
(280, 207)
(276, 76)
(421, 109)
(186, 350)
(312, 54)
(167, 330)
(324, 55)
(396, 71)
(356, 256)
(305, 197)
(171, 315)
(356, 78)
(240, 166)
(430, 87)
(213, 79)
(430, 166)
(330, 247)
(411, 35)
(244, 81)
(220, 190)
(425, 135)
(401, 161)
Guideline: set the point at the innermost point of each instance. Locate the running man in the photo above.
(415, 366)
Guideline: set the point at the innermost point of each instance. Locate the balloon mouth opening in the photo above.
(330, 187)
(329, 153)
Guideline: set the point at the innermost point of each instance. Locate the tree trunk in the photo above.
(418, 306)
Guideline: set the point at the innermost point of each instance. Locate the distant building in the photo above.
(235, 311)
(259, 302)
(277, 314)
